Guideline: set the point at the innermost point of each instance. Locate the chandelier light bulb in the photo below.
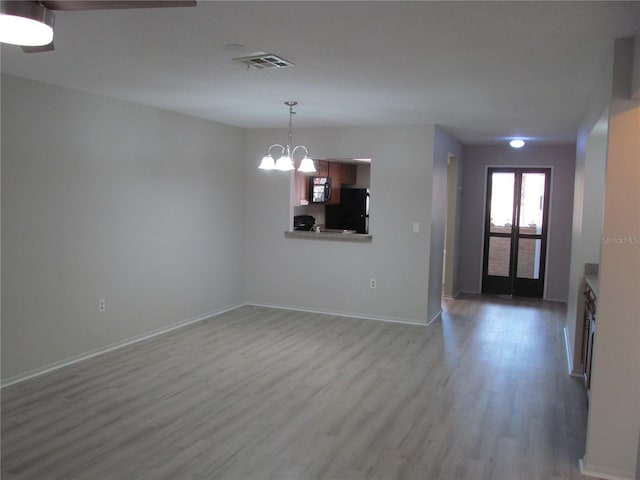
(284, 163)
(306, 165)
(267, 163)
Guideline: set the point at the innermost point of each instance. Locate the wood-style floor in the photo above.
(261, 393)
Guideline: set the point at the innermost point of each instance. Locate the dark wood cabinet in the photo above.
(323, 168)
(349, 173)
(335, 174)
(301, 192)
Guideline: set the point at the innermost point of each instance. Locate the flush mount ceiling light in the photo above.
(29, 23)
(516, 143)
(25, 23)
(285, 161)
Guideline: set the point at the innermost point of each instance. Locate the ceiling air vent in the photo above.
(266, 60)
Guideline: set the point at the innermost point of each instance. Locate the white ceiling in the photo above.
(483, 70)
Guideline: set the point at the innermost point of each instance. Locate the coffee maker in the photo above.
(303, 222)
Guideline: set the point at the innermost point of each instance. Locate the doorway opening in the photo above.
(516, 224)
(451, 225)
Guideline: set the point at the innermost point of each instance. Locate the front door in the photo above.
(515, 251)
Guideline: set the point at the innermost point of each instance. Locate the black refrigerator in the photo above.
(352, 213)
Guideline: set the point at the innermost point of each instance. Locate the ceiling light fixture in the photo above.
(25, 23)
(285, 161)
(516, 143)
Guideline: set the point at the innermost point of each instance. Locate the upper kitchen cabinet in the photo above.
(301, 192)
(335, 174)
(323, 168)
(349, 173)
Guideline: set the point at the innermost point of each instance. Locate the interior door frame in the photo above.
(541, 288)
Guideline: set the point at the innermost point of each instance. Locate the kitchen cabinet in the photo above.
(335, 174)
(323, 168)
(349, 173)
(301, 189)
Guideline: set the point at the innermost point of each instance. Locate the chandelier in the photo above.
(285, 160)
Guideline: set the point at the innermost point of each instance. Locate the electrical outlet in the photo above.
(416, 227)
(102, 305)
(372, 283)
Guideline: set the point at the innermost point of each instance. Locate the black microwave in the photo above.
(319, 189)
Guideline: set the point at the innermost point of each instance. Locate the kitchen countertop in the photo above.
(323, 235)
(591, 277)
(593, 281)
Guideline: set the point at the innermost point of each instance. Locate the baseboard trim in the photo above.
(114, 346)
(451, 297)
(434, 318)
(470, 292)
(340, 314)
(599, 474)
(557, 300)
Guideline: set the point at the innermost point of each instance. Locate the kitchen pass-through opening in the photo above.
(334, 198)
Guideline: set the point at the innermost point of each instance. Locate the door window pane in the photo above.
(501, 212)
(499, 255)
(531, 203)
(529, 251)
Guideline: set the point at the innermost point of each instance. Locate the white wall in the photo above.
(614, 407)
(588, 201)
(332, 275)
(588, 204)
(107, 199)
(477, 158)
(363, 175)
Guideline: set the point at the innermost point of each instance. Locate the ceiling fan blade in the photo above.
(39, 48)
(71, 5)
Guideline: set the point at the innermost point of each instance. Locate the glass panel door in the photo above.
(502, 185)
(499, 240)
(514, 255)
(529, 256)
(532, 188)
